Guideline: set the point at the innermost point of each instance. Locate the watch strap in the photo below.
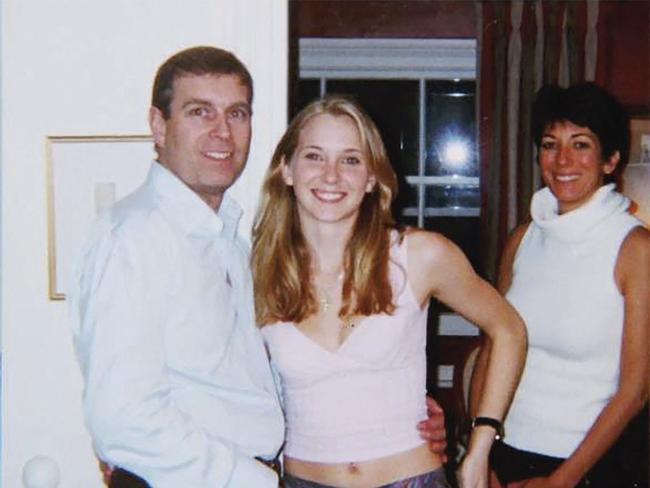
(497, 425)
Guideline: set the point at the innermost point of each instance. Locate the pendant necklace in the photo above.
(324, 299)
(325, 303)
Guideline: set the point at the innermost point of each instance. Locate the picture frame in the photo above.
(636, 178)
(640, 140)
(85, 175)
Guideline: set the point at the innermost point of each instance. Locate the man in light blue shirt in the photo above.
(178, 388)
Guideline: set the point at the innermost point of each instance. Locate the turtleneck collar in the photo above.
(576, 224)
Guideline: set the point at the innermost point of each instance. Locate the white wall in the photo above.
(80, 67)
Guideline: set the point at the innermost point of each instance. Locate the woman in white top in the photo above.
(579, 275)
(342, 294)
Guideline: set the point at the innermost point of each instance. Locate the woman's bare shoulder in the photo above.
(633, 261)
(427, 247)
(635, 249)
(431, 258)
(638, 236)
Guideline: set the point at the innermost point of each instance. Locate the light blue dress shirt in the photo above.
(178, 388)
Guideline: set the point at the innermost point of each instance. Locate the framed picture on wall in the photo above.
(85, 176)
(640, 141)
(636, 178)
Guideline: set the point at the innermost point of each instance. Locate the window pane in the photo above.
(452, 196)
(408, 221)
(450, 128)
(407, 197)
(464, 231)
(307, 90)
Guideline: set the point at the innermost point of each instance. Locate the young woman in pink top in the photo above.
(342, 293)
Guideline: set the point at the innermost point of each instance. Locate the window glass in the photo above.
(307, 90)
(452, 196)
(450, 128)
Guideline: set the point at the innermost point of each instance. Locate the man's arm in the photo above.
(119, 305)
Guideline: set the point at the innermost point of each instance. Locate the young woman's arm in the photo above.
(504, 278)
(437, 268)
(633, 279)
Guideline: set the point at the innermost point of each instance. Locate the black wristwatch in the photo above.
(489, 421)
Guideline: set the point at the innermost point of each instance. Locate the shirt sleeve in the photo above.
(118, 310)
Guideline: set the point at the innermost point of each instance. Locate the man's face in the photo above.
(206, 138)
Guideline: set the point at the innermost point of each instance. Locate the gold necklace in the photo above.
(325, 301)
(324, 292)
(325, 305)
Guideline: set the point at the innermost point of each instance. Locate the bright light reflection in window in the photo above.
(455, 154)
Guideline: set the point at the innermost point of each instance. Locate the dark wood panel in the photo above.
(626, 51)
(387, 18)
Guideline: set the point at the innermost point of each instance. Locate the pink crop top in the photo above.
(365, 400)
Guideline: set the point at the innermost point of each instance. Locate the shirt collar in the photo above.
(188, 210)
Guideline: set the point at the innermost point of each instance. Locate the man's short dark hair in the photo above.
(200, 60)
(585, 105)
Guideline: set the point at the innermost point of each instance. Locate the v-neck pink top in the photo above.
(364, 400)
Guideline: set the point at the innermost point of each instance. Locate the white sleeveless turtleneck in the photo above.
(563, 286)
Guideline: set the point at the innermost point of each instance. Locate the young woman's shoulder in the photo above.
(431, 254)
(426, 246)
(434, 261)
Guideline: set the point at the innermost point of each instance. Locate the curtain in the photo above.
(522, 44)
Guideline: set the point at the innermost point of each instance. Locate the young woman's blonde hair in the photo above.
(281, 262)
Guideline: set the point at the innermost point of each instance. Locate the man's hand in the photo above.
(433, 430)
(106, 472)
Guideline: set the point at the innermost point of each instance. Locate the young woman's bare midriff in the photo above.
(373, 472)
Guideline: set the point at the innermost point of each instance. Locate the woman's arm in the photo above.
(504, 278)
(437, 268)
(633, 279)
